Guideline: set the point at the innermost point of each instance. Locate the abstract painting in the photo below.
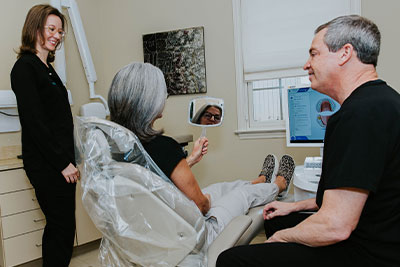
(180, 55)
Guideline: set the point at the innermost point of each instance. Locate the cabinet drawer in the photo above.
(18, 202)
(22, 223)
(23, 248)
(13, 180)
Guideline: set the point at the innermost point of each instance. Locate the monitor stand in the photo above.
(306, 177)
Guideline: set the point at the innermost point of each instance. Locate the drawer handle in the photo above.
(38, 245)
(39, 220)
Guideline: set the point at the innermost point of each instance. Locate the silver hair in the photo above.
(358, 31)
(137, 96)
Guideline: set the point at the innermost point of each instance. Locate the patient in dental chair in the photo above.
(136, 99)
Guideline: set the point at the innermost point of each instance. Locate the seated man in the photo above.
(357, 222)
(136, 99)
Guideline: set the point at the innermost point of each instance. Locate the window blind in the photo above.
(276, 35)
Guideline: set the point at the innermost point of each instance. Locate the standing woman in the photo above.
(47, 130)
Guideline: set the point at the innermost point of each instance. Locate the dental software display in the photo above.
(308, 112)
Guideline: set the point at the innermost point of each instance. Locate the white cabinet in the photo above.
(85, 229)
(22, 221)
(22, 248)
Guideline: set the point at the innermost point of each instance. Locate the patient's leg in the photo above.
(219, 190)
(236, 202)
(253, 193)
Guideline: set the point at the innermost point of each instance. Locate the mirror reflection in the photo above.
(208, 115)
(206, 111)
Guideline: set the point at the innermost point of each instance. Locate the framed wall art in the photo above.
(180, 55)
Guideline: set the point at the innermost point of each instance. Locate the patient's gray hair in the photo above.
(358, 31)
(137, 96)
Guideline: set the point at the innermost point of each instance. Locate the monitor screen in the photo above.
(308, 112)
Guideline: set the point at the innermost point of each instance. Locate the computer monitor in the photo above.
(307, 113)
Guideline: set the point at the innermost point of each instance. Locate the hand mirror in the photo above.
(206, 112)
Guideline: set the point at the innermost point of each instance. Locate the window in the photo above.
(272, 39)
(266, 98)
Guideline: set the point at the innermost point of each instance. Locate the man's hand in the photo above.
(276, 238)
(277, 208)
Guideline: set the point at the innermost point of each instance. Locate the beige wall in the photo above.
(114, 31)
(385, 15)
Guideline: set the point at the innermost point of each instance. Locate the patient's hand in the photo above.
(209, 198)
(200, 148)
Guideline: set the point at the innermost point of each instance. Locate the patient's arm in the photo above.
(183, 178)
(199, 150)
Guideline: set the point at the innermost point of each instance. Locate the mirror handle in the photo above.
(203, 132)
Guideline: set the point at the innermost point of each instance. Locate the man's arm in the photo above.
(334, 221)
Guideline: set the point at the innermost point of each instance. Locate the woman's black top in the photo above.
(45, 116)
(165, 152)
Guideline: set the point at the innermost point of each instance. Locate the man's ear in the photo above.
(345, 53)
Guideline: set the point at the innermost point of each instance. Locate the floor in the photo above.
(260, 238)
(83, 256)
(87, 255)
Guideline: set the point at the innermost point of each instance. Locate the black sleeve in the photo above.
(24, 83)
(165, 152)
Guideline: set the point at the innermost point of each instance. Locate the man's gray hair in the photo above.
(137, 96)
(358, 31)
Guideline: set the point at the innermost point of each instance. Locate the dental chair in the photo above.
(144, 219)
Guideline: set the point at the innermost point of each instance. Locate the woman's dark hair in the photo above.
(197, 118)
(34, 23)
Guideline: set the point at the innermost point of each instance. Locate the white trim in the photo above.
(261, 133)
(242, 99)
(355, 7)
(274, 74)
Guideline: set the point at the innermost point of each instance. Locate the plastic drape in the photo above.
(145, 220)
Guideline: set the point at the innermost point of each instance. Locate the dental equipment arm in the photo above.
(83, 48)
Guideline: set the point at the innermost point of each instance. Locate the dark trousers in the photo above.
(58, 206)
(291, 254)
